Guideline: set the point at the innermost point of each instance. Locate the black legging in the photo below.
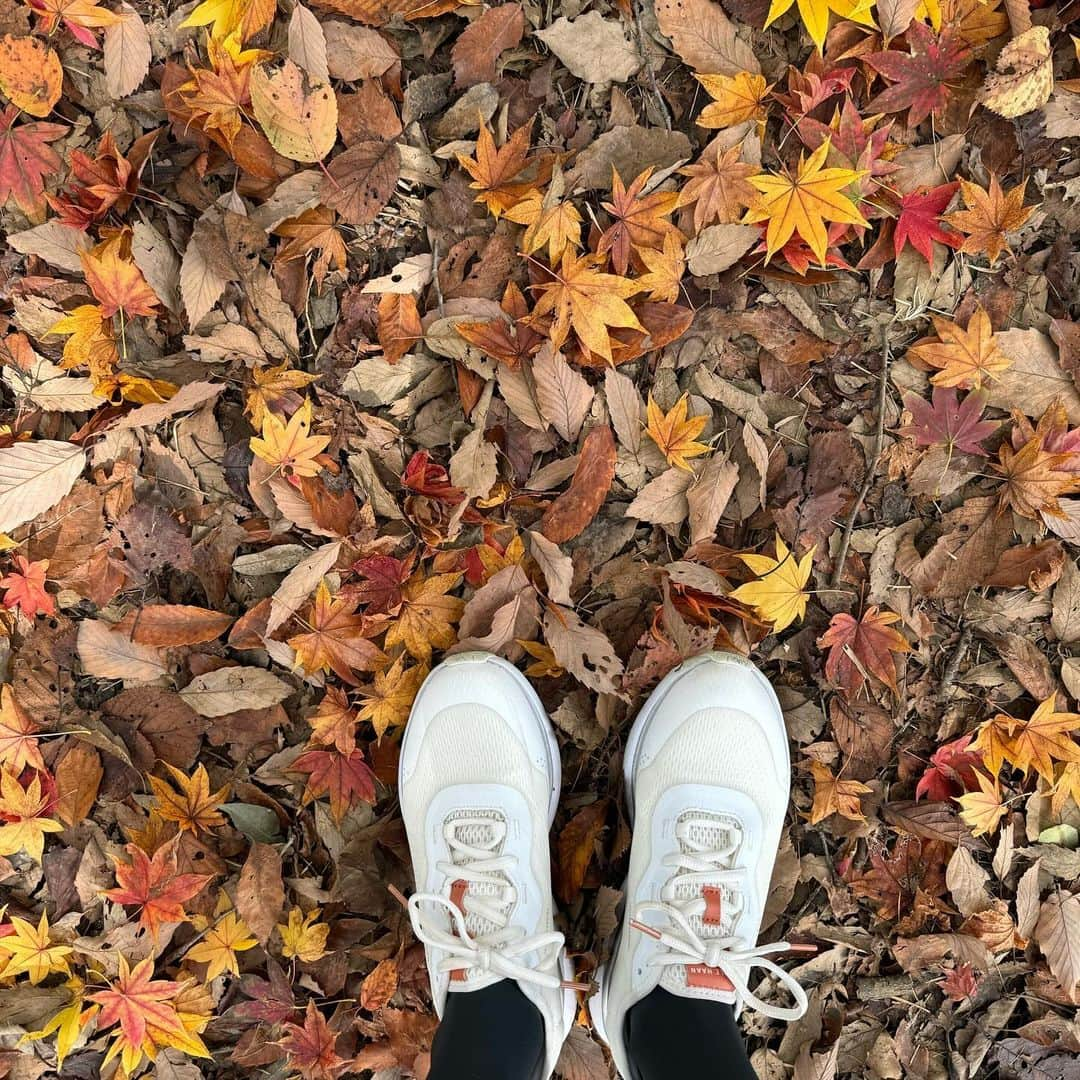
(498, 1034)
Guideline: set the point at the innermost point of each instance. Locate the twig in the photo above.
(640, 43)
(952, 668)
(879, 439)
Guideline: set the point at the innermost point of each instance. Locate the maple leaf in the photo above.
(982, 809)
(919, 221)
(272, 999)
(638, 220)
(993, 741)
(920, 78)
(30, 951)
(736, 99)
(675, 434)
(220, 944)
(384, 576)
(718, 188)
(803, 203)
(289, 446)
(960, 983)
(154, 886)
(967, 358)
(1034, 479)
(311, 231)
(218, 98)
(815, 15)
(143, 1008)
(946, 421)
(345, 777)
(69, 1024)
(861, 647)
(312, 1048)
(337, 638)
(26, 158)
(1043, 740)
(26, 588)
(118, 284)
(303, 936)
(334, 721)
(778, 595)
(427, 615)
(193, 807)
(835, 796)
(1066, 787)
(386, 703)
(509, 341)
(275, 391)
(898, 880)
(552, 222)
(18, 742)
(227, 18)
(951, 769)
(584, 299)
(989, 217)
(91, 341)
(23, 815)
(493, 169)
(856, 143)
(81, 17)
(665, 270)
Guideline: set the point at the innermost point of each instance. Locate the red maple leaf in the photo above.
(312, 1049)
(912, 874)
(381, 588)
(861, 647)
(807, 90)
(856, 144)
(26, 588)
(271, 1000)
(155, 886)
(919, 221)
(136, 1000)
(425, 477)
(25, 160)
(951, 771)
(960, 983)
(949, 422)
(920, 78)
(345, 777)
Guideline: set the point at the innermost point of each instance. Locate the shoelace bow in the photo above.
(499, 951)
(684, 945)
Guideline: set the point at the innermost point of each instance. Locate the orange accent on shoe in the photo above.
(700, 977)
(458, 890)
(713, 900)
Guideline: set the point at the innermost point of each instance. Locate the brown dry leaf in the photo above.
(399, 325)
(835, 796)
(78, 776)
(704, 37)
(359, 181)
(177, 624)
(379, 986)
(575, 848)
(572, 511)
(260, 892)
(477, 50)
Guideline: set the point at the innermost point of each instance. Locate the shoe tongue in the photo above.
(705, 832)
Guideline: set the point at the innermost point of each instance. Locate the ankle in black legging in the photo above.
(498, 1034)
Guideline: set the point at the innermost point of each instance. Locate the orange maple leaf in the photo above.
(494, 170)
(638, 220)
(117, 284)
(967, 358)
(1034, 478)
(718, 189)
(835, 796)
(1044, 739)
(334, 722)
(990, 216)
(26, 588)
(289, 446)
(337, 639)
(193, 807)
(861, 647)
(346, 778)
(18, 741)
(427, 615)
(154, 886)
(675, 433)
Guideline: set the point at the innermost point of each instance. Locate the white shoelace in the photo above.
(683, 904)
(492, 945)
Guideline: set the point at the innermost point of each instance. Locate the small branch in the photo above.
(871, 468)
(952, 668)
(639, 41)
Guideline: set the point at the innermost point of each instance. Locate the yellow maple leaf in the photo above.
(194, 808)
(1034, 479)
(588, 301)
(967, 358)
(69, 1024)
(242, 18)
(835, 796)
(1044, 739)
(815, 15)
(779, 594)
(1067, 786)
(30, 951)
(736, 99)
(675, 433)
(982, 809)
(275, 388)
(665, 269)
(803, 203)
(387, 702)
(24, 824)
(994, 741)
(289, 446)
(555, 223)
(220, 944)
(546, 665)
(304, 937)
(427, 615)
(90, 340)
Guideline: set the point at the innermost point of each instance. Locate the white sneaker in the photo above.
(708, 778)
(479, 781)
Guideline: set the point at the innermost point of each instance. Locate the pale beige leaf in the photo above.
(51, 388)
(1035, 378)
(592, 48)
(583, 650)
(307, 44)
(894, 16)
(109, 654)
(626, 408)
(474, 465)
(719, 247)
(663, 501)
(357, 52)
(556, 565)
(58, 244)
(159, 263)
(34, 476)
(1027, 900)
(300, 583)
(708, 496)
(966, 881)
(1065, 617)
(127, 52)
(562, 393)
(188, 397)
(201, 285)
(705, 37)
(1058, 934)
(230, 689)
